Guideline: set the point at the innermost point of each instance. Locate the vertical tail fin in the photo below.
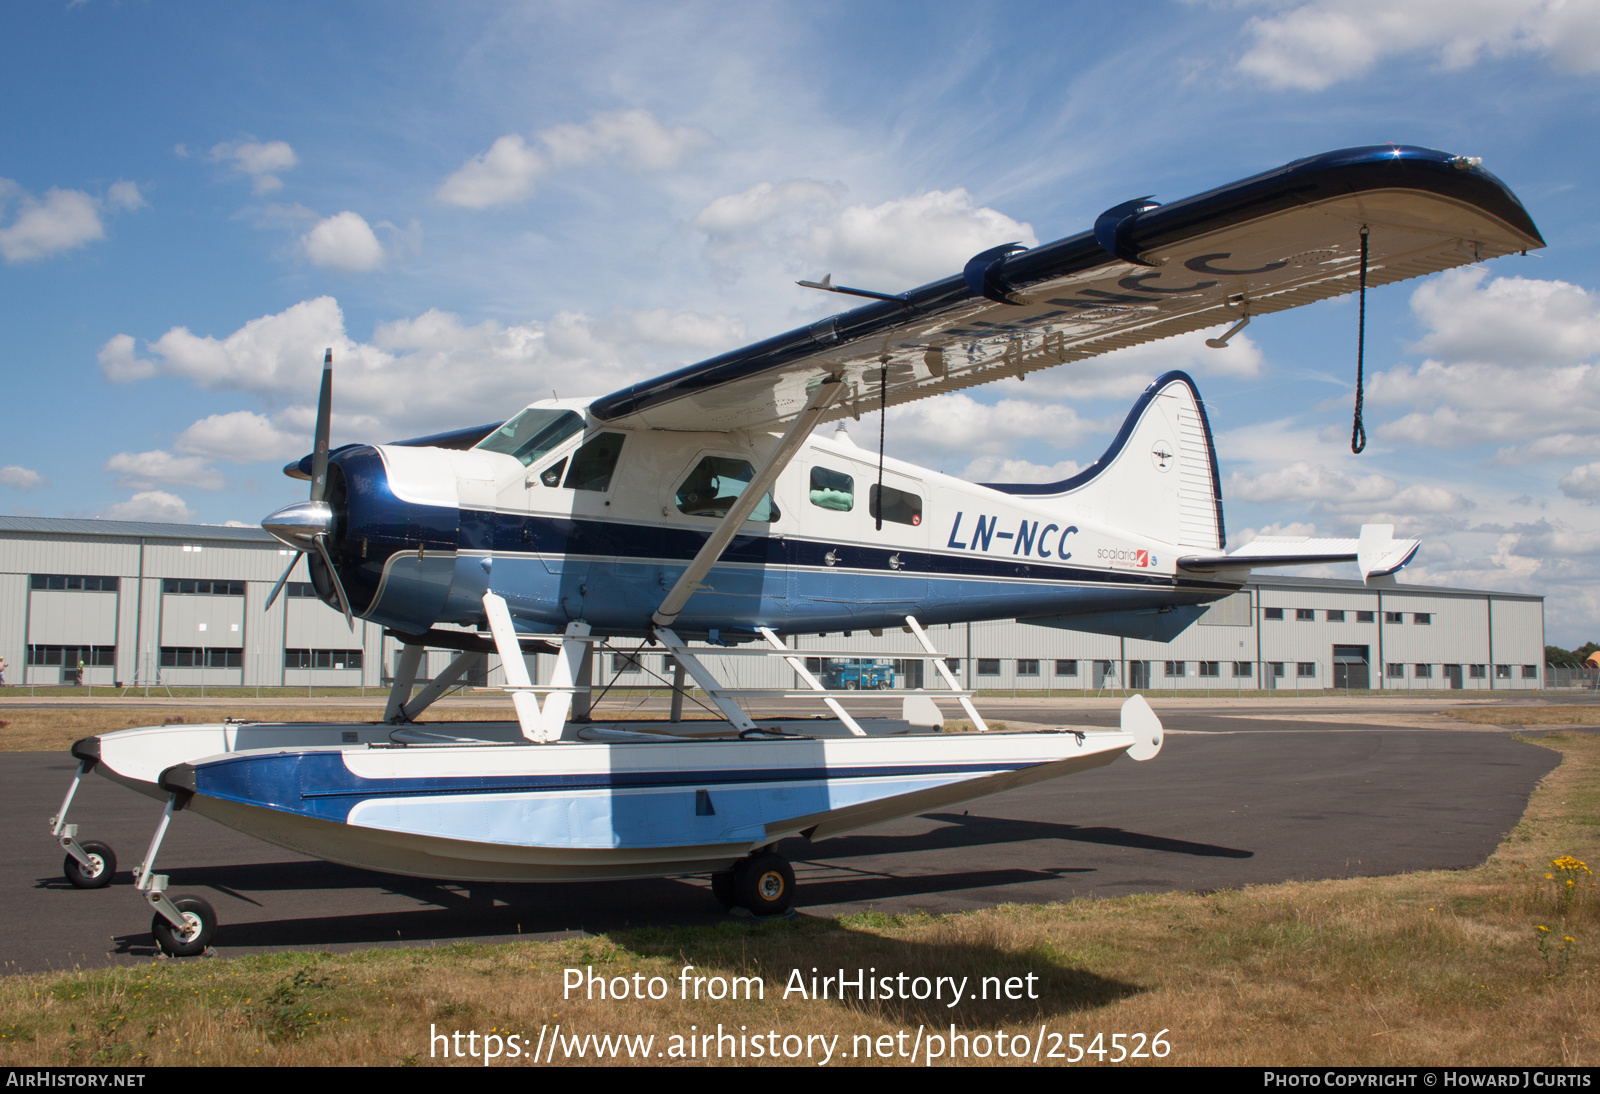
(1158, 478)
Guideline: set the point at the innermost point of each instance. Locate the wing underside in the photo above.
(1266, 244)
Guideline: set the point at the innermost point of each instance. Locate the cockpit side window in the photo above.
(533, 434)
(593, 464)
(714, 484)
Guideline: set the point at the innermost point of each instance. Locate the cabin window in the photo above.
(712, 487)
(593, 464)
(533, 434)
(832, 490)
(899, 507)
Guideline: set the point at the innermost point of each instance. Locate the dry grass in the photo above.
(1430, 968)
(1556, 714)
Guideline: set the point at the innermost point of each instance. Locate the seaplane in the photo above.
(701, 513)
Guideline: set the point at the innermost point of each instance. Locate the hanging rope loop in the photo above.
(1358, 433)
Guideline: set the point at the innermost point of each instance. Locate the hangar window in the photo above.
(1242, 669)
(1027, 668)
(69, 655)
(1210, 668)
(1335, 616)
(1305, 668)
(533, 434)
(1177, 668)
(1067, 668)
(899, 506)
(1422, 672)
(1364, 617)
(1477, 672)
(301, 589)
(1502, 672)
(1305, 615)
(714, 485)
(194, 657)
(988, 666)
(1395, 670)
(74, 582)
(1275, 669)
(593, 464)
(322, 659)
(1394, 617)
(1422, 619)
(832, 490)
(1530, 672)
(185, 587)
(1272, 613)
(953, 664)
(624, 662)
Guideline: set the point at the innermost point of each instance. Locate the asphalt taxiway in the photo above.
(1240, 795)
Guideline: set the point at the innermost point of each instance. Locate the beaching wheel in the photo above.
(190, 940)
(97, 875)
(765, 884)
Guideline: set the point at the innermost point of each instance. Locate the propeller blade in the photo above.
(319, 455)
(278, 588)
(333, 575)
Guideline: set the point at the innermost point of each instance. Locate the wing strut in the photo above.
(822, 396)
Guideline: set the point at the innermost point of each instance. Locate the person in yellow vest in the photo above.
(80, 670)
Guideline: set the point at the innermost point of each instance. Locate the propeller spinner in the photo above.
(306, 525)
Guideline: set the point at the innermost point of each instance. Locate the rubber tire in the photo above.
(204, 926)
(764, 884)
(80, 877)
(724, 888)
(883, 685)
(851, 685)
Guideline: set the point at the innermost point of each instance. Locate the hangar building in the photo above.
(147, 603)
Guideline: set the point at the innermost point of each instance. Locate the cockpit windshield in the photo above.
(533, 434)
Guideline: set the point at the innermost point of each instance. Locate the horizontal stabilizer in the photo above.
(1377, 553)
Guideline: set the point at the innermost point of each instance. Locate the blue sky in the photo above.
(479, 203)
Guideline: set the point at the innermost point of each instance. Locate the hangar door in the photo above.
(1350, 668)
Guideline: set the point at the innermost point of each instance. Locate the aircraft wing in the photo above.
(1145, 271)
(1377, 553)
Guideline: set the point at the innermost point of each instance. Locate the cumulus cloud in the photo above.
(22, 478)
(1511, 321)
(62, 220)
(416, 376)
(144, 470)
(902, 242)
(1303, 482)
(511, 167)
(1314, 45)
(1507, 365)
(1583, 482)
(154, 505)
(241, 437)
(343, 242)
(999, 469)
(263, 161)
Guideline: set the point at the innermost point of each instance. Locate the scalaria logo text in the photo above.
(1126, 556)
